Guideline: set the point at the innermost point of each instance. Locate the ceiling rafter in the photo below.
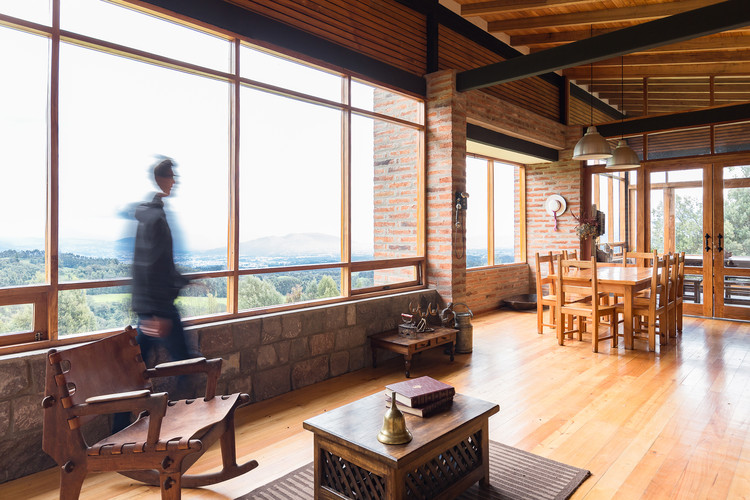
(715, 18)
(502, 6)
(666, 70)
(641, 12)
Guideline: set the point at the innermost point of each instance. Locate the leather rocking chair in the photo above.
(109, 376)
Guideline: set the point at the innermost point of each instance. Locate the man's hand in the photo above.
(156, 326)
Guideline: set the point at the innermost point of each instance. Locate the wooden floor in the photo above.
(669, 425)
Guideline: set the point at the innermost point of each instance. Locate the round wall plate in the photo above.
(555, 205)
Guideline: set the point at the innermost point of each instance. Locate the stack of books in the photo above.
(423, 396)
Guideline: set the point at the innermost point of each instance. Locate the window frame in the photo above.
(519, 245)
(44, 297)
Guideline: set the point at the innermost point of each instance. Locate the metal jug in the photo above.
(465, 335)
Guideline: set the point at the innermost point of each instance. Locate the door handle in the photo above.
(721, 237)
(708, 246)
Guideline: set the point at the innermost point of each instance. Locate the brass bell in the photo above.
(394, 429)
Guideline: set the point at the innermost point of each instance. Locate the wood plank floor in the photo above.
(669, 425)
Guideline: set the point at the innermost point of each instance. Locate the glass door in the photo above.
(679, 223)
(730, 241)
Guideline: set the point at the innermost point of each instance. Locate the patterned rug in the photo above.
(514, 475)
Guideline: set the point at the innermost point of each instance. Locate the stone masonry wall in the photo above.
(264, 356)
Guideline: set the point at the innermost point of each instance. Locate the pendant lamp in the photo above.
(592, 146)
(623, 157)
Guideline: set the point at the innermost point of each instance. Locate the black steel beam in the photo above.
(255, 26)
(676, 120)
(491, 138)
(577, 92)
(715, 18)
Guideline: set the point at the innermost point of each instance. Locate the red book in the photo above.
(419, 391)
(426, 410)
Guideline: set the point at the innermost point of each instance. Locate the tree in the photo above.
(327, 288)
(74, 314)
(255, 292)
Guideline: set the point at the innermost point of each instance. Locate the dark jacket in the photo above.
(156, 282)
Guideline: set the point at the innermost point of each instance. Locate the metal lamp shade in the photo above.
(623, 158)
(592, 146)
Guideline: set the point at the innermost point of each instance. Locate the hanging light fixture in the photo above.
(592, 146)
(623, 157)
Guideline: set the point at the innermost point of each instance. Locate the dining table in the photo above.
(623, 281)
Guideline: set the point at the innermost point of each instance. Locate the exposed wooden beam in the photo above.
(703, 56)
(721, 41)
(723, 69)
(603, 15)
(684, 26)
(557, 37)
(501, 6)
(615, 96)
(676, 120)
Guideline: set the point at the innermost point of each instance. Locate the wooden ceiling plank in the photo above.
(729, 14)
(501, 6)
(723, 69)
(604, 15)
(676, 120)
(704, 56)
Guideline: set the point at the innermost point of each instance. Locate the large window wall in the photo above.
(296, 184)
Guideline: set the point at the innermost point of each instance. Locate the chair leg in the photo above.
(539, 316)
(614, 326)
(652, 334)
(679, 317)
(595, 332)
(71, 482)
(170, 485)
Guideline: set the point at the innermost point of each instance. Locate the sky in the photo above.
(117, 115)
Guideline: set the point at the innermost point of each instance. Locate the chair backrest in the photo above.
(659, 283)
(541, 280)
(673, 274)
(640, 259)
(570, 254)
(110, 365)
(576, 286)
(680, 274)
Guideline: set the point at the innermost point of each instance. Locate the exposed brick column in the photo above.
(446, 174)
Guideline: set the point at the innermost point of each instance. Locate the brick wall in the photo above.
(487, 287)
(264, 356)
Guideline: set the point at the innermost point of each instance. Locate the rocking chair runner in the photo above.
(109, 376)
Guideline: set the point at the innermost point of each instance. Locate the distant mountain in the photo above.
(292, 244)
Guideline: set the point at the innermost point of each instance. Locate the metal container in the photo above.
(465, 335)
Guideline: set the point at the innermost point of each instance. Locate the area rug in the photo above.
(514, 475)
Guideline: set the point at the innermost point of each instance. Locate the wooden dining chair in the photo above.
(545, 280)
(108, 376)
(672, 293)
(581, 283)
(652, 307)
(680, 290)
(640, 259)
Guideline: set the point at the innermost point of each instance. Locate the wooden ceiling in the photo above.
(703, 72)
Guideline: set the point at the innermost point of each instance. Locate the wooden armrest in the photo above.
(118, 396)
(182, 362)
(154, 403)
(211, 367)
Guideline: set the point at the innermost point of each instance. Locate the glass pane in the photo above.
(37, 11)
(82, 311)
(693, 287)
(677, 216)
(385, 189)
(736, 228)
(273, 289)
(737, 291)
(114, 23)
(506, 213)
(290, 181)
(385, 102)
(476, 213)
(689, 142)
(274, 70)
(17, 318)
(107, 153)
(203, 297)
(23, 157)
(383, 277)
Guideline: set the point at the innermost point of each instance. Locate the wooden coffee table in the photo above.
(409, 346)
(448, 452)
